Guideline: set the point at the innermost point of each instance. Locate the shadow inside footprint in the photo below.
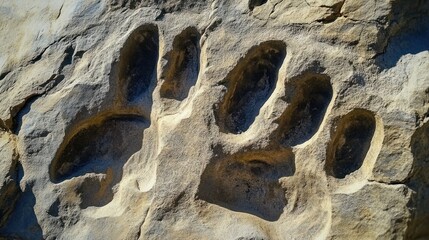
(98, 147)
(249, 182)
(309, 96)
(183, 65)
(351, 142)
(250, 84)
(138, 61)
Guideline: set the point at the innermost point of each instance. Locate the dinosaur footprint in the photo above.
(137, 64)
(351, 142)
(97, 149)
(250, 84)
(309, 96)
(183, 66)
(249, 180)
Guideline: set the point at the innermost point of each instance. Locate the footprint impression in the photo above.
(98, 148)
(96, 151)
(249, 180)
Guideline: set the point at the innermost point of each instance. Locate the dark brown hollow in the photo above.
(351, 142)
(138, 61)
(248, 182)
(256, 3)
(183, 65)
(97, 146)
(250, 84)
(309, 96)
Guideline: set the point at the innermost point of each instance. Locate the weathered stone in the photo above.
(358, 209)
(9, 189)
(173, 119)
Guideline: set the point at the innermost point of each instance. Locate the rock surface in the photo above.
(173, 119)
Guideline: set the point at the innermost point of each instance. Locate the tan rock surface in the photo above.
(259, 119)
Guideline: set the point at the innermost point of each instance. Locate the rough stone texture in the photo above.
(174, 119)
(8, 176)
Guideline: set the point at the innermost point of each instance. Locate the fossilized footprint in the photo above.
(98, 148)
(102, 144)
(247, 180)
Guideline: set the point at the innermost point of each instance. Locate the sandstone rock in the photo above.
(9, 190)
(355, 212)
(259, 119)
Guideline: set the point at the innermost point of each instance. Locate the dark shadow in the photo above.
(23, 224)
(10, 191)
(248, 182)
(138, 62)
(98, 147)
(250, 84)
(411, 41)
(256, 3)
(412, 38)
(350, 144)
(24, 109)
(308, 96)
(183, 65)
(54, 208)
(165, 6)
(419, 182)
(134, 76)
(97, 191)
